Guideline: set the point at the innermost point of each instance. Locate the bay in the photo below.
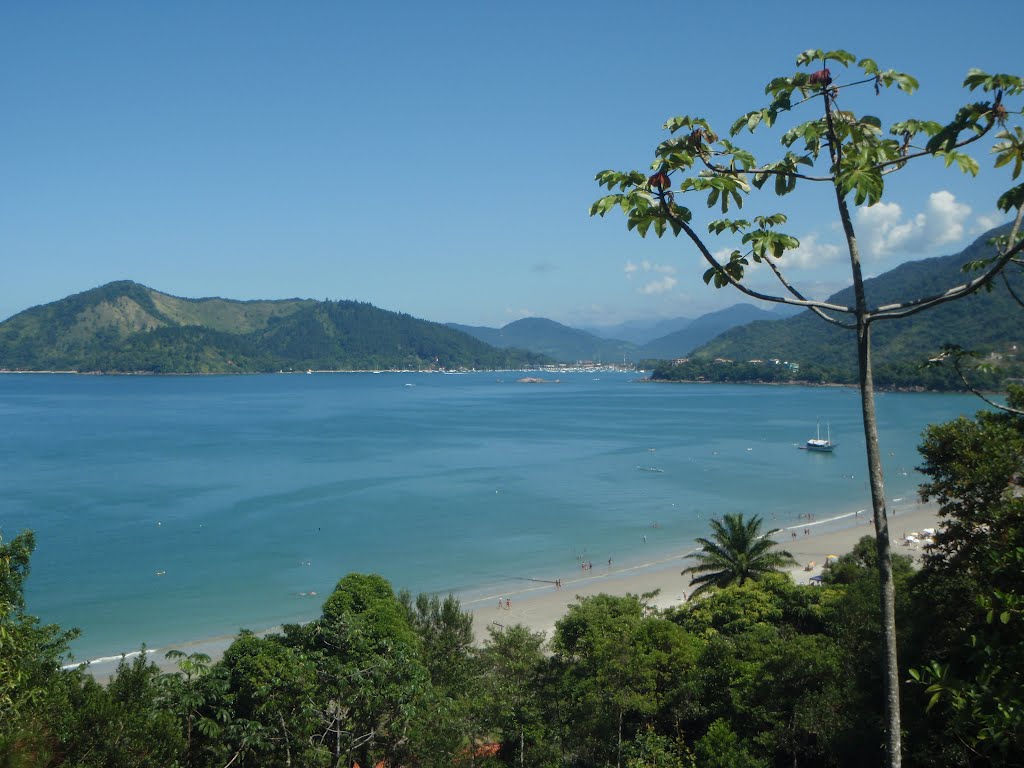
(173, 509)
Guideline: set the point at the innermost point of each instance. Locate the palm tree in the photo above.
(736, 552)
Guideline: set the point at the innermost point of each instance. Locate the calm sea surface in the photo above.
(172, 509)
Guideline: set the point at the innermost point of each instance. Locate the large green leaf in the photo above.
(865, 182)
(1011, 149)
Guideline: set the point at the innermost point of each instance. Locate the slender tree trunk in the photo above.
(886, 584)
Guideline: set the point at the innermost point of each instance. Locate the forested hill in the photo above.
(124, 326)
(989, 321)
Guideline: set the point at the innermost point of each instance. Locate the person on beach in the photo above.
(508, 603)
(499, 603)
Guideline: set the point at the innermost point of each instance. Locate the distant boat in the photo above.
(819, 445)
(650, 469)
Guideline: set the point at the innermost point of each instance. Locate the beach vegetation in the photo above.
(371, 682)
(35, 697)
(737, 552)
(720, 747)
(971, 663)
(125, 723)
(851, 156)
(649, 748)
(606, 675)
(453, 714)
(515, 678)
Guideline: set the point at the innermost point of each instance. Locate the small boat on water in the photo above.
(817, 444)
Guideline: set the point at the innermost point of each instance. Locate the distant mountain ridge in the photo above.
(125, 326)
(644, 332)
(567, 344)
(552, 339)
(640, 332)
(703, 329)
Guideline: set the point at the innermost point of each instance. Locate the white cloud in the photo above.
(986, 222)
(811, 253)
(664, 285)
(649, 266)
(884, 230)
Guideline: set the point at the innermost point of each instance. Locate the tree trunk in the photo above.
(886, 585)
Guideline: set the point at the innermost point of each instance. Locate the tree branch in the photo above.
(816, 310)
(708, 257)
(905, 309)
(767, 171)
(977, 393)
(1009, 288)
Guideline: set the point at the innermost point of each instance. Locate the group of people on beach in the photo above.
(505, 603)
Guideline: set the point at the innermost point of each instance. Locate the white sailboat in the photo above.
(817, 444)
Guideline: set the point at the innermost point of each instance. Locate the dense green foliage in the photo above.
(753, 673)
(974, 666)
(126, 327)
(905, 375)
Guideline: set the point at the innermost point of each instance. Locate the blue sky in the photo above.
(433, 158)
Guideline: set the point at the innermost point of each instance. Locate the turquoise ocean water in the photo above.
(173, 509)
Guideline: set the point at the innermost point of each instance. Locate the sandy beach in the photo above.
(539, 605)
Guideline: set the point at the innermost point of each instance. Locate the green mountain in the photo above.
(988, 321)
(546, 337)
(124, 326)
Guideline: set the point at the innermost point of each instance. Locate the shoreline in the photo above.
(539, 605)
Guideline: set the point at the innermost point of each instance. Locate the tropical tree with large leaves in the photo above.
(851, 156)
(736, 553)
